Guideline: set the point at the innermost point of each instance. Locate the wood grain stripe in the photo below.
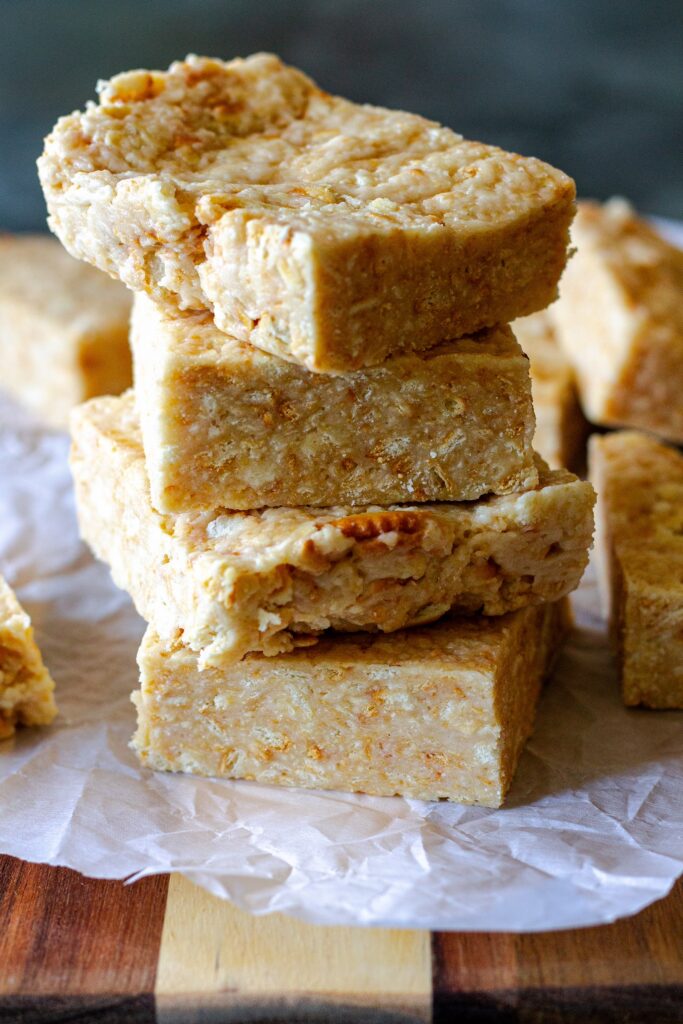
(77, 946)
(239, 967)
(631, 964)
(73, 948)
(641, 950)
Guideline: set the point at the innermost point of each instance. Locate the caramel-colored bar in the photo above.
(26, 689)
(234, 582)
(620, 321)
(63, 328)
(640, 531)
(440, 712)
(224, 423)
(326, 232)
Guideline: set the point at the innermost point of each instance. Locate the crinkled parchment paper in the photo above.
(592, 830)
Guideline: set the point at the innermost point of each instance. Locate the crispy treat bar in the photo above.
(561, 427)
(224, 423)
(440, 712)
(620, 320)
(640, 529)
(328, 233)
(26, 689)
(234, 582)
(63, 328)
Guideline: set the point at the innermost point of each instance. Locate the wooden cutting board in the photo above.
(76, 949)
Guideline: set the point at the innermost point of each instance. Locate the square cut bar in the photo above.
(620, 320)
(434, 713)
(224, 423)
(26, 689)
(63, 328)
(561, 428)
(233, 582)
(326, 232)
(640, 530)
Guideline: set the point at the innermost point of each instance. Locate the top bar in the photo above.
(328, 233)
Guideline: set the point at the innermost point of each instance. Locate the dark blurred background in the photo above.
(594, 86)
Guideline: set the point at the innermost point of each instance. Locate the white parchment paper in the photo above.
(593, 829)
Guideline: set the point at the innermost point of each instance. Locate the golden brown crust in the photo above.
(369, 525)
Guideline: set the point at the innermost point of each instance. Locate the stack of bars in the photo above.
(322, 494)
